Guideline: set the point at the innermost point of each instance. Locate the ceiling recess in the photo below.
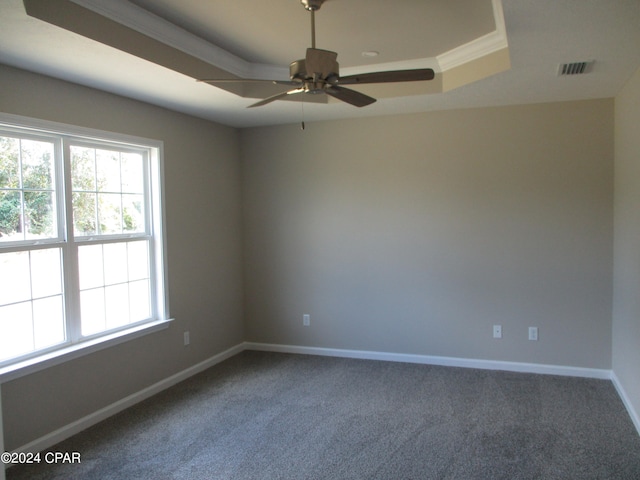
(575, 68)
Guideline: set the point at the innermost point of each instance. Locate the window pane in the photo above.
(15, 281)
(39, 215)
(108, 171)
(46, 273)
(16, 330)
(140, 300)
(92, 311)
(90, 266)
(100, 207)
(37, 164)
(83, 169)
(115, 263)
(48, 322)
(117, 303)
(9, 166)
(132, 173)
(138, 257)
(133, 213)
(10, 216)
(126, 297)
(84, 214)
(24, 276)
(109, 216)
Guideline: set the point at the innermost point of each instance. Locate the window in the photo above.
(81, 244)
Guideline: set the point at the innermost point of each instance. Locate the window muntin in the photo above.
(81, 246)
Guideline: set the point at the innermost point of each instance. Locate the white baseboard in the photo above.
(435, 360)
(635, 418)
(83, 423)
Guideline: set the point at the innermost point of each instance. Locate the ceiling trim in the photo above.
(149, 24)
(480, 47)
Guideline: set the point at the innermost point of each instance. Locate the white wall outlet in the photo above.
(497, 331)
(306, 319)
(533, 333)
(187, 340)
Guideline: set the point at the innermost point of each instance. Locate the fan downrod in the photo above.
(312, 6)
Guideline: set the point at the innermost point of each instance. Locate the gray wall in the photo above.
(409, 234)
(204, 256)
(626, 306)
(417, 233)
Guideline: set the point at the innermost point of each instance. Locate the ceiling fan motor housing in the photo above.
(298, 71)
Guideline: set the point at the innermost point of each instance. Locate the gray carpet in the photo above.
(277, 416)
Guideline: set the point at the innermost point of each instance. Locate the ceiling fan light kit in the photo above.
(319, 73)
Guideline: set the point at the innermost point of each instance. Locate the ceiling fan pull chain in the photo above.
(302, 123)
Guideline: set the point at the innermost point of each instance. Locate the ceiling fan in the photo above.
(318, 73)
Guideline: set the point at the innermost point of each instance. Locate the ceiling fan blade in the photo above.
(248, 80)
(321, 62)
(347, 95)
(389, 76)
(276, 97)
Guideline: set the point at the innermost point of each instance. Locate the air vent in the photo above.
(575, 68)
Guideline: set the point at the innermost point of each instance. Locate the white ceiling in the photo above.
(263, 37)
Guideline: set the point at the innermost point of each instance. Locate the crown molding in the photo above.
(482, 46)
(155, 27)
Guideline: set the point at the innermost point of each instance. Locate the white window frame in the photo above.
(76, 345)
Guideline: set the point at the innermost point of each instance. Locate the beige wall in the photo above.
(204, 257)
(626, 305)
(417, 233)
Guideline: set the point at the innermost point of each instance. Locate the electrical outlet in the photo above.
(186, 338)
(306, 320)
(497, 331)
(533, 333)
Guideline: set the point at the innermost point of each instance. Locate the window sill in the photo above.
(49, 359)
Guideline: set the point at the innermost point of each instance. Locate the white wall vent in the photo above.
(574, 68)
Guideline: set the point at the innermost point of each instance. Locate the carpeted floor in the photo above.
(276, 416)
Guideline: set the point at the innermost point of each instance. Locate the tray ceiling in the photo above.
(484, 52)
